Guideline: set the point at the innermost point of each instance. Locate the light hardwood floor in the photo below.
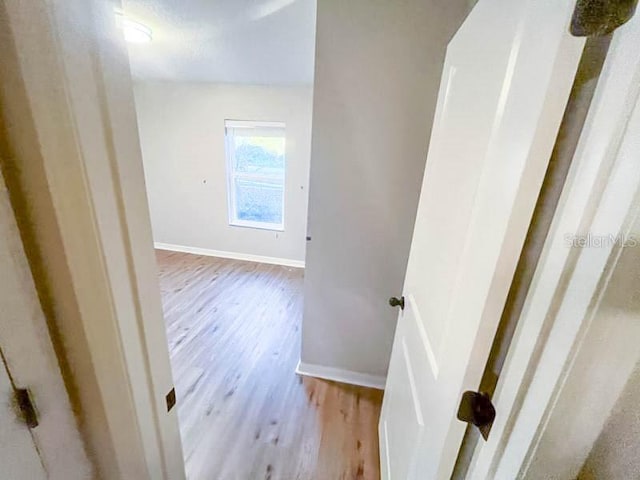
(234, 339)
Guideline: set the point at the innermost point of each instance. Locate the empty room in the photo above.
(224, 95)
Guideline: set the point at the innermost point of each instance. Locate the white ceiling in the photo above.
(266, 42)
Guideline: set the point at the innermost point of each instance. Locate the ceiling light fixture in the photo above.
(134, 32)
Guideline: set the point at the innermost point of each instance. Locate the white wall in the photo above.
(615, 453)
(378, 67)
(595, 381)
(182, 137)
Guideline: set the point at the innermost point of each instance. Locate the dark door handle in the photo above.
(397, 302)
(476, 408)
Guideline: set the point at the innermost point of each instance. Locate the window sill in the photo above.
(258, 226)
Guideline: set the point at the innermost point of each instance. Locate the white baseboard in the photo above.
(233, 255)
(340, 375)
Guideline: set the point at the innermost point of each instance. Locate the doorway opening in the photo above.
(225, 133)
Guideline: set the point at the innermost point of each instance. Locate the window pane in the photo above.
(256, 162)
(259, 155)
(259, 201)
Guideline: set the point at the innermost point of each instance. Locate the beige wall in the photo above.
(596, 377)
(615, 455)
(182, 137)
(378, 67)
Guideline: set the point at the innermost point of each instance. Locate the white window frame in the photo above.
(232, 175)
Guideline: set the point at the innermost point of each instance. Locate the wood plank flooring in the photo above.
(234, 339)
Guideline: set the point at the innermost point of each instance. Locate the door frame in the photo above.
(75, 169)
(27, 354)
(569, 282)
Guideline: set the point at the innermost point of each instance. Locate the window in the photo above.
(256, 172)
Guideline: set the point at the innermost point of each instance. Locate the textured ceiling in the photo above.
(266, 42)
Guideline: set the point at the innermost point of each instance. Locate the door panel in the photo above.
(403, 425)
(506, 80)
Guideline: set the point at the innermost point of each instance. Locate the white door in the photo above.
(19, 457)
(506, 80)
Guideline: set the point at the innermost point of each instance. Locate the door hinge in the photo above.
(476, 408)
(170, 399)
(26, 407)
(598, 18)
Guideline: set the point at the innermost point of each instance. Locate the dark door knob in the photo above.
(397, 302)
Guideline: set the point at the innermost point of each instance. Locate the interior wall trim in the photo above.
(341, 375)
(233, 255)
